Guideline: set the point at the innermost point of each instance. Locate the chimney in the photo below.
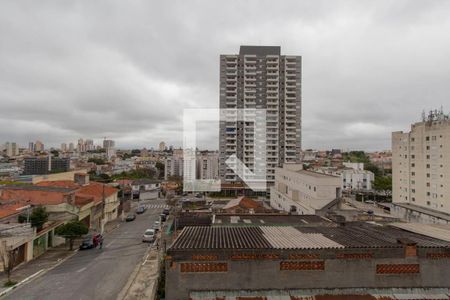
(410, 246)
(81, 178)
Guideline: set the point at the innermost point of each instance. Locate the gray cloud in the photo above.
(127, 70)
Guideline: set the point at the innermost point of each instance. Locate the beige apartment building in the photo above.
(421, 170)
(301, 191)
(260, 77)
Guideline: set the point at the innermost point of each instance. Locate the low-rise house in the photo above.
(93, 203)
(243, 205)
(353, 177)
(25, 241)
(145, 189)
(100, 198)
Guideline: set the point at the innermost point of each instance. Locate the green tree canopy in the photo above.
(97, 161)
(383, 183)
(72, 230)
(38, 217)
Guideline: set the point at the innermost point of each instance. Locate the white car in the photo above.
(149, 236)
(156, 225)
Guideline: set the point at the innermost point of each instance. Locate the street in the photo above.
(96, 273)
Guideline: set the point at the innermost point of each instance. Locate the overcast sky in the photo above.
(126, 69)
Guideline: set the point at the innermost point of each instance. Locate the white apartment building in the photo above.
(351, 179)
(162, 146)
(421, 170)
(208, 165)
(11, 149)
(259, 77)
(173, 165)
(354, 165)
(301, 191)
(39, 146)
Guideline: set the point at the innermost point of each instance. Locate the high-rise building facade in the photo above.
(421, 164)
(108, 144)
(39, 146)
(45, 165)
(162, 146)
(259, 77)
(174, 165)
(11, 149)
(207, 165)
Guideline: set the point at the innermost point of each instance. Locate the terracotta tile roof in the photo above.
(81, 200)
(57, 192)
(7, 210)
(59, 183)
(36, 196)
(242, 202)
(95, 189)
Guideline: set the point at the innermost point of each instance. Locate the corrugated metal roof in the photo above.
(372, 236)
(359, 235)
(202, 237)
(431, 230)
(291, 238)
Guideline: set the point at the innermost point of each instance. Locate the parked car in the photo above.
(87, 243)
(166, 211)
(130, 217)
(149, 236)
(140, 210)
(163, 217)
(156, 225)
(198, 195)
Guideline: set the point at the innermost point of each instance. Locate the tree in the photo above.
(72, 230)
(160, 167)
(55, 153)
(97, 161)
(382, 183)
(372, 168)
(38, 217)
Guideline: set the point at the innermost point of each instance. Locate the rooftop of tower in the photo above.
(260, 50)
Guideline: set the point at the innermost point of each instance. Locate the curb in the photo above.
(124, 292)
(21, 282)
(36, 275)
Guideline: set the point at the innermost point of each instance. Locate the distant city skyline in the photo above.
(369, 68)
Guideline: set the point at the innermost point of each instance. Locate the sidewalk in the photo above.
(110, 226)
(50, 259)
(143, 283)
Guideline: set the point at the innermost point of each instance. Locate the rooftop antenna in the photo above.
(423, 116)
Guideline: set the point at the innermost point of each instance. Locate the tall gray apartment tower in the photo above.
(259, 77)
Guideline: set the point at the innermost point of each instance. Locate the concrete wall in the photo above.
(58, 176)
(304, 190)
(415, 216)
(338, 273)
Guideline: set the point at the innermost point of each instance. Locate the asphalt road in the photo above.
(95, 273)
